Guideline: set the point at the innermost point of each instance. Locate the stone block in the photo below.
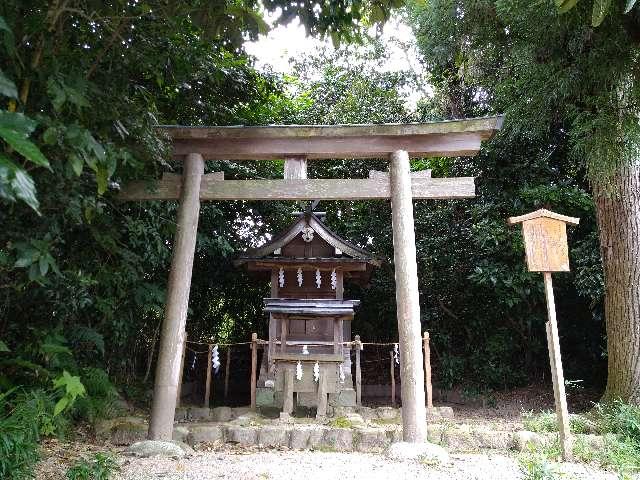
(155, 448)
(367, 413)
(209, 433)
(338, 439)
(242, 435)
(265, 397)
(274, 436)
(199, 413)
(221, 414)
(494, 439)
(239, 411)
(180, 433)
(122, 431)
(316, 437)
(523, 439)
(387, 413)
(182, 414)
(343, 398)
(372, 440)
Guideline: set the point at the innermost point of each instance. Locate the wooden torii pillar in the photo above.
(297, 144)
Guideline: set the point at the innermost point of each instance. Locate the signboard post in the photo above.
(545, 240)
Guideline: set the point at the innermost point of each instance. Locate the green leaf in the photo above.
(61, 405)
(19, 182)
(25, 189)
(43, 264)
(600, 10)
(18, 122)
(4, 26)
(3, 347)
(102, 178)
(7, 87)
(565, 5)
(76, 164)
(24, 147)
(629, 5)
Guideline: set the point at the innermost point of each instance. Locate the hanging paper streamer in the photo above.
(299, 370)
(342, 377)
(281, 277)
(334, 279)
(215, 358)
(318, 278)
(193, 360)
(299, 277)
(305, 350)
(396, 354)
(316, 372)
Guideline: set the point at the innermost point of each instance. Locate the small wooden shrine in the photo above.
(309, 319)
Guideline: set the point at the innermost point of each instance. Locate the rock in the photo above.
(316, 436)
(246, 419)
(180, 433)
(459, 439)
(239, 411)
(367, 413)
(209, 433)
(154, 448)
(438, 413)
(273, 436)
(242, 435)
(429, 453)
(122, 431)
(200, 413)
(299, 437)
(394, 433)
(523, 439)
(372, 440)
(182, 414)
(338, 439)
(387, 413)
(356, 420)
(221, 414)
(495, 439)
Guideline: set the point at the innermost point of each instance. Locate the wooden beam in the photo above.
(438, 145)
(307, 189)
(447, 138)
(167, 188)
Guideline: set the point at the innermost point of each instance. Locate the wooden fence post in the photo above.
(358, 345)
(254, 366)
(184, 351)
(393, 380)
(427, 370)
(226, 372)
(207, 385)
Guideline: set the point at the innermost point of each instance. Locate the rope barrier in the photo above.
(266, 342)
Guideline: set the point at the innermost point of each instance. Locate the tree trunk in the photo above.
(618, 214)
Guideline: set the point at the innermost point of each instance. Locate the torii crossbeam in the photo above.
(296, 144)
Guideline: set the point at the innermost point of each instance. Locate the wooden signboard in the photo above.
(545, 240)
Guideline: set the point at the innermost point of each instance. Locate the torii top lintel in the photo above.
(443, 138)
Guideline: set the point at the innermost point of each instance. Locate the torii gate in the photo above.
(297, 144)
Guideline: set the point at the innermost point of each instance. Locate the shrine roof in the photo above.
(350, 253)
(239, 142)
(321, 306)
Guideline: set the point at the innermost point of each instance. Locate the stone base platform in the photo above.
(367, 430)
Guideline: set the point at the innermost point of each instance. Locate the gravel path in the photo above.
(306, 465)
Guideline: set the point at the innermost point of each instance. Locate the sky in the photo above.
(284, 42)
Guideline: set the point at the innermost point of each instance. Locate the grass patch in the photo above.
(535, 465)
(546, 422)
(341, 422)
(100, 467)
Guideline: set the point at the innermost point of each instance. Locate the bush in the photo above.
(100, 467)
(100, 401)
(22, 421)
